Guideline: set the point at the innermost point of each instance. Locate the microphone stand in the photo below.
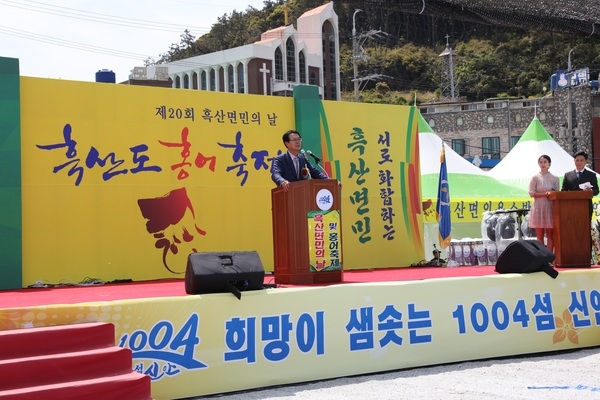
(323, 169)
(317, 161)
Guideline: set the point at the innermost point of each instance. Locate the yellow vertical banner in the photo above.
(375, 155)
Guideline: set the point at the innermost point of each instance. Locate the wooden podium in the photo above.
(572, 228)
(291, 245)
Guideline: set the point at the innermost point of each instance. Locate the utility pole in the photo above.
(358, 54)
(569, 107)
(355, 55)
(449, 90)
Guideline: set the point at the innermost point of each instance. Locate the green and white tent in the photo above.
(465, 180)
(467, 184)
(521, 163)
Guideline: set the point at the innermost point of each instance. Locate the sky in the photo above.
(74, 39)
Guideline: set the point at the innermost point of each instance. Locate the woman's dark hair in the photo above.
(547, 157)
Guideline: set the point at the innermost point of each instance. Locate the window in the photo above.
(491, 146)
(459, 146)
(530, 103)
(467, 107)
(240, 74)
(203, 80)
(329, 62)
(514, 140)
(431, 123)
(290, 58)
(459, 121)
(230, 79)
(302, 66)
(278, 64)
(213, 80)
(496, 104)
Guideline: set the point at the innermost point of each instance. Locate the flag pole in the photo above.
(443, 203)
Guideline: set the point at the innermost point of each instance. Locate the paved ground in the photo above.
(558, 376)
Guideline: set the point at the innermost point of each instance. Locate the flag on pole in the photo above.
(443, 203)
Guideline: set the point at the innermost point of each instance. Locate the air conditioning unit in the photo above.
(486, 157)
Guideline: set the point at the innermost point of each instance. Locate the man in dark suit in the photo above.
(581, 175)
(292, 165)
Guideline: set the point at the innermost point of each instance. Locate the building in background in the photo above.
(491, 128)
(283, 58)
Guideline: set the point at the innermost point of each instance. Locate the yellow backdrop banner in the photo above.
(124, 182)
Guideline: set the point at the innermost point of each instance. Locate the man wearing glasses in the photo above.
(292, 165)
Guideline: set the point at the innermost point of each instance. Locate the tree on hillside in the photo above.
(490, 60)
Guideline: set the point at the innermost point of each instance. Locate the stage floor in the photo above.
(73, 294)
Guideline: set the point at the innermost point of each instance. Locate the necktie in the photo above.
(578, 174)
(296, 167)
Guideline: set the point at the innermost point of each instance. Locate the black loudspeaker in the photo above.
(233, 272)
(526, 256)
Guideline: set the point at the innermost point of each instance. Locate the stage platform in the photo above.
(375, 320)
(81, 293)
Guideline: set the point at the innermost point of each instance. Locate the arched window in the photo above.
(230, 79)
(302, 66)
(203, 80)
(213, 80)
(240, 77)
(278, 64)
(290, 58)
(329, 62)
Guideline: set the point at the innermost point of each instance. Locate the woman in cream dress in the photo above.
(540, 214)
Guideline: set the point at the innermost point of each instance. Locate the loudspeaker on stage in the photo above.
(214, 272)
(523, 256)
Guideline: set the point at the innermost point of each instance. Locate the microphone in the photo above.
(317, 159)
(310, 153)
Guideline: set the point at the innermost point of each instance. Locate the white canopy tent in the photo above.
(465, 181)
(521, 163)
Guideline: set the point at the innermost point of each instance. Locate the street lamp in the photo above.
(355, 54)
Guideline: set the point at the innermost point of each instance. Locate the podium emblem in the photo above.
(324, 199)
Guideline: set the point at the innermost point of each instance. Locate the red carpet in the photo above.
(169, 288)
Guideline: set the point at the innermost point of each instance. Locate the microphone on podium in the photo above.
(317, 160)
(310, 153)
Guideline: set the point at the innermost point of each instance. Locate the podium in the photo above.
(292, 245)
(572, 228)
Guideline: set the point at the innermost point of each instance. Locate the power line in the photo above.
(98, 17)
(70, 44)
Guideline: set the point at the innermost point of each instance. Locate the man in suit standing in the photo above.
(292, 165)
(581, 175)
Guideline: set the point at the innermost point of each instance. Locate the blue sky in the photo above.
(73, 39)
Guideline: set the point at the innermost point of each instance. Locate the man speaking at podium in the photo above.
(581, 178)
(292, 165)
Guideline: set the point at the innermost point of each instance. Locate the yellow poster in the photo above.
(325, 240)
